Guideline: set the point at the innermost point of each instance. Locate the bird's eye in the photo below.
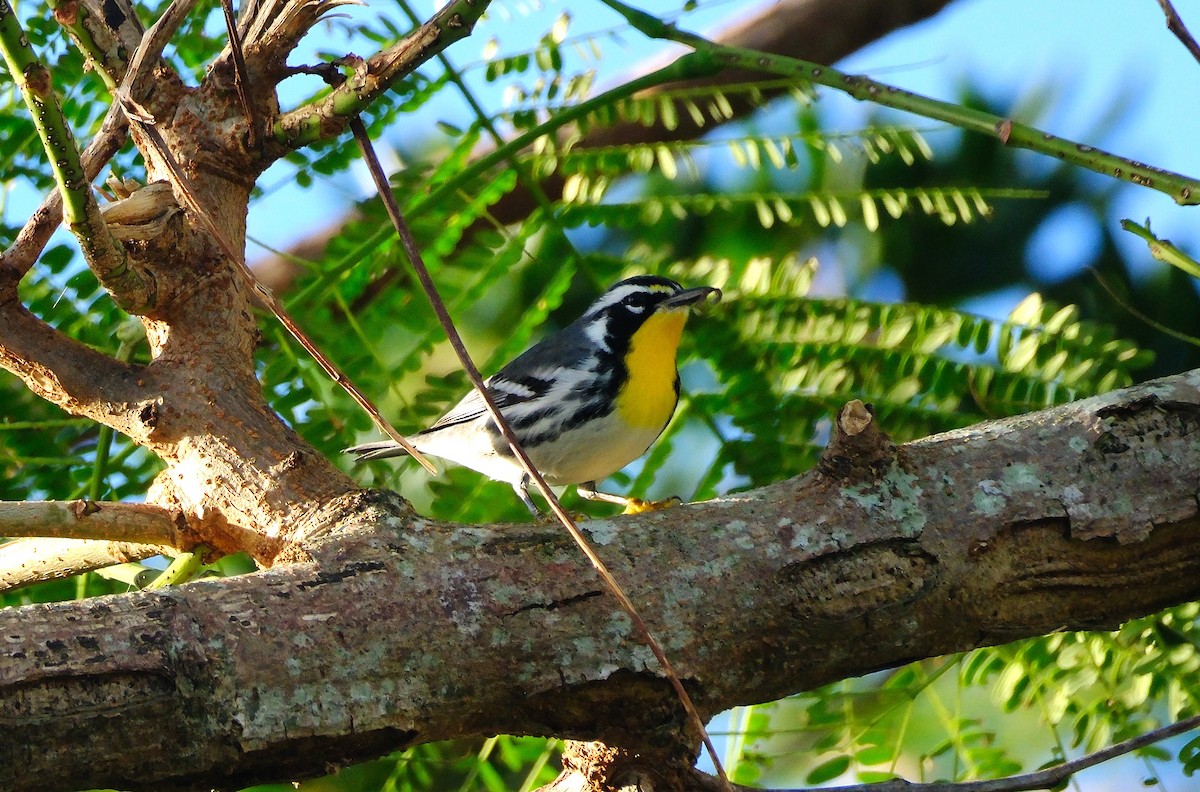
(637, 302)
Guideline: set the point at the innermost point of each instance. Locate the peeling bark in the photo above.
(402, 630)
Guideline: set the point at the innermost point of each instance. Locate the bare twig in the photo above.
(464, 357)
(84, 519)
(76, 377)
(241, 75)
(1176, 26)
(27, 561)
(152, 45)
(1041, 779)
(188, 195)
(32, 239)
(1140, 315)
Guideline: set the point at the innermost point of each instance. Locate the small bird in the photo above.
(584, 402)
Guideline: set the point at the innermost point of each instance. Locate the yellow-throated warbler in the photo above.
(584, 402)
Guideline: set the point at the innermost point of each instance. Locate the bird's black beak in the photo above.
(692, 296)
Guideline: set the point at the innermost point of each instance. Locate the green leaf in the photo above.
(828, 770)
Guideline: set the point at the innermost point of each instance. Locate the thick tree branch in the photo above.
(1077, 517)
(63, 371)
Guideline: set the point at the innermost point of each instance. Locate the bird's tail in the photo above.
(381, 449)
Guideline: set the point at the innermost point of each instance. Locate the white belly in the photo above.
(591, 452)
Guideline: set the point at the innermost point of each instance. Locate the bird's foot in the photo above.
(639, 506)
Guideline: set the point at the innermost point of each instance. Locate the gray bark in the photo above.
(401, 630)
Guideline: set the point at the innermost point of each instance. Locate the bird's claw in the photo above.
(639, 506)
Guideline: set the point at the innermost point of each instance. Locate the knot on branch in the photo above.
(355, 512)
(859, 449)
(142, 214)
(596, 767)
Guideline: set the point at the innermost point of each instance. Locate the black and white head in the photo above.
(618, 313)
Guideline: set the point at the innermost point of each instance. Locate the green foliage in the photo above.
(498, 764)
(787, 363)
(825, 207)
(763, 372)
(1065, 693)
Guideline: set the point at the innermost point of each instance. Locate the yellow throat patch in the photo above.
(648, 396)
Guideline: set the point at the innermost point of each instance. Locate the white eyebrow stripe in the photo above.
(614, 296)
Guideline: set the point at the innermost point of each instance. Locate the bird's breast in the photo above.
(649, 394)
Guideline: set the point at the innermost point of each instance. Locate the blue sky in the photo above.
(1091, 55)
(1094, 56)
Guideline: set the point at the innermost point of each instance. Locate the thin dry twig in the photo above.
(464, 357)
(1026, 782)
(1176, 26)
(241, 75)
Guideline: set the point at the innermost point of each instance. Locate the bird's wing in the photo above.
(505, 393)
(527, 377)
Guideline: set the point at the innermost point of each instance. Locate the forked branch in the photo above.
(329, 115)
(63, 371)
(131, 286)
